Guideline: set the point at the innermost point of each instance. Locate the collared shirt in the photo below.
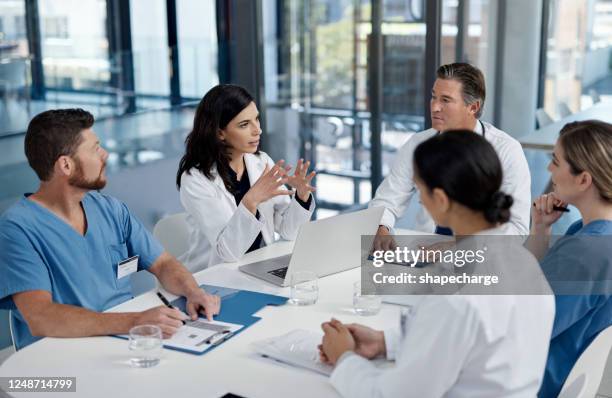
(578, 318)
(398, 188)
(40, 251)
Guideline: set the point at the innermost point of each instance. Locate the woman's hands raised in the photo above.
(300, 180)
(271, 182)
(269, 185)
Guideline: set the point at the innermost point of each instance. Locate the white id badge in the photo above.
(127, 267)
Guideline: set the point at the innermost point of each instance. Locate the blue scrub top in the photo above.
(40, 251)
(578, 318)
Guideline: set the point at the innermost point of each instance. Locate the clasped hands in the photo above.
(340, 338)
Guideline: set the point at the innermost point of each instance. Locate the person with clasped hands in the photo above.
(460, 345)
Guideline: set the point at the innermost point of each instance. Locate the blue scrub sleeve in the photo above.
(569, 260)
(139, 240)
(21, 266)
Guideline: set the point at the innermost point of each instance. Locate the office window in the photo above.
(197, 37)
(74, 44)
(578, 55)
(56, 27)
(478, 45)
(13, 39)
(321, 102)
(150, 47)
(450, 21)
(477, 32)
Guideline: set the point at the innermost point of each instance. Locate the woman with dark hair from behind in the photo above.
(457, 345)
(581, 175)
(234, 194)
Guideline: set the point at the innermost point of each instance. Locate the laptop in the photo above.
(324, 247)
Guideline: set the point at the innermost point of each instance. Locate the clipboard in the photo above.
(237, 307)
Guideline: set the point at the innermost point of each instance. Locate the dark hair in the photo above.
(203, 148)
(472, 82)
(465, 166)
(52, 134)
(588, 147)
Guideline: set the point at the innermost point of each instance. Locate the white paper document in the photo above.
(200, 335)
(297, 348)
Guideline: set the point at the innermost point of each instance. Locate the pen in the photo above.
(559, 208)
(167, 303)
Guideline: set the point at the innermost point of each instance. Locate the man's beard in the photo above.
(78, 179)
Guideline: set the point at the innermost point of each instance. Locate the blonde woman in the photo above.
(581, 174)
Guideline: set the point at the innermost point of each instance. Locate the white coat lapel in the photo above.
(255, 165)
(221, 186)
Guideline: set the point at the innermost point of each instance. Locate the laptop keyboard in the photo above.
(280, 272)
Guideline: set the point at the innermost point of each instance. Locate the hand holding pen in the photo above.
(546, 210)
(167, 304)
(168, 318)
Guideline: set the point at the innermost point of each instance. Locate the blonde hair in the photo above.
(588, 147)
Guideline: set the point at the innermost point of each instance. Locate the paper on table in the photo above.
(296, 348)
(200, 335)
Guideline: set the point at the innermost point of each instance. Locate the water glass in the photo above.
(365, 304)
(145, 346)
(304, 288)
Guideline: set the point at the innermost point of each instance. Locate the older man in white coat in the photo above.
(457, 101)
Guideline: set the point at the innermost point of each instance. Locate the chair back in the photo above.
(543, 118)
(585, 377)
(173, 233)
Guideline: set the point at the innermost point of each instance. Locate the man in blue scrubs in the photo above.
(66, 251)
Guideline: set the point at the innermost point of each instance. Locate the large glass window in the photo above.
(13, 38)
(322, 104)
(477, 32)
(197, 36)
(578, 55)
(74, 44)
(150, 47)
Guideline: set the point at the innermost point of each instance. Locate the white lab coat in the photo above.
(398, 188)
(220, 231)
(462, 345)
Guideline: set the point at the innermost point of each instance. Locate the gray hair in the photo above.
(471, 79)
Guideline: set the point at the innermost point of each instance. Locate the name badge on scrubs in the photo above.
(127, 267)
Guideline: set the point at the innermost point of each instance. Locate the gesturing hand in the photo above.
(300, 180)
(267, 186)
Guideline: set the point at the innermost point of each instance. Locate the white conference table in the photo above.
(546, 137)
(101, 364)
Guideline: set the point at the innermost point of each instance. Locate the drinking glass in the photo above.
(304, 288)
(365, 304)
(145, 346)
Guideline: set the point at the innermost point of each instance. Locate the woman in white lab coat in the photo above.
(234, 194)
(457, 345)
